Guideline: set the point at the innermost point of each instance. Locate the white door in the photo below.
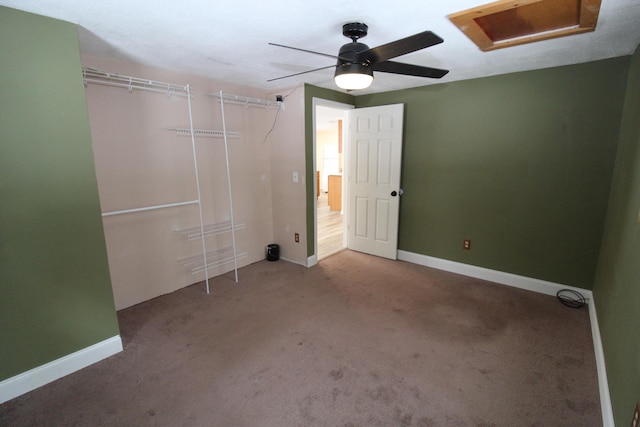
(375, 151)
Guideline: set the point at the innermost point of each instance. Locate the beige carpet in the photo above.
(354, 341)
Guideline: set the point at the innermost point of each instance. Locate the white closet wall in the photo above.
(140, 162)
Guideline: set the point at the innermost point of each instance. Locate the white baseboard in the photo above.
(535, 285)
(522, 282)
(37, 377)
(292, 261)
(603, 382)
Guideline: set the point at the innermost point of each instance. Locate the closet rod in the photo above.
(93, 75)
(150, 208)
(248, 102)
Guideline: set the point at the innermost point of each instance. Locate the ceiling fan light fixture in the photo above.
(356, 61)
(353, 76)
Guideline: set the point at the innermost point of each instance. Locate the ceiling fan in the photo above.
(357, 62)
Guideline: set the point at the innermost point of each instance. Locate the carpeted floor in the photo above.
(355, 341)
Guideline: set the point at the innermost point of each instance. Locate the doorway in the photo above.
(330, 129)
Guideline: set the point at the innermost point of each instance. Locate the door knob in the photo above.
(394, 193)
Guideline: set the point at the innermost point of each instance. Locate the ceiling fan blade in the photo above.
(304, 50)
(400, 47)
(409, 69)
(303, 72)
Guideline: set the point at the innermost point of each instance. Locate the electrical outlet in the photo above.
(296, 237)
(635, 422)
(466, 244)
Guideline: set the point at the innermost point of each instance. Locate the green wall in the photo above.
(55, 290)
(617, 286)
(311, 92)
(521, 164)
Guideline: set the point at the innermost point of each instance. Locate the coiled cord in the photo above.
(571, 298)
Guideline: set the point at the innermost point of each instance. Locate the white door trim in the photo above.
(315, 101)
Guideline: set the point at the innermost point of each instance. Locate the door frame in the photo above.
(339, 106)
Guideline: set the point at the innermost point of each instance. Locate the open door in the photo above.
(375, 158)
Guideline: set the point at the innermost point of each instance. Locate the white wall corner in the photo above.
(37, 377)
(312, 260)
(534, 285)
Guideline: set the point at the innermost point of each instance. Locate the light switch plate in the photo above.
(295, 176)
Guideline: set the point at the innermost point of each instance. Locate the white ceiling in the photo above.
(227, 40)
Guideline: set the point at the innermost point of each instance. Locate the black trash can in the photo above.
(273, 252)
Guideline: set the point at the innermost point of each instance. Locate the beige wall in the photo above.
(139, 163)
(288, 197)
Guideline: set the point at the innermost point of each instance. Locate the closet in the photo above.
(165, 177)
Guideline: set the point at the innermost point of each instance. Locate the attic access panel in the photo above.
(508, 23)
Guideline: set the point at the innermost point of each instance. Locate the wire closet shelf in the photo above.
(96, 76)
(247, 102)
(198, 263)
(204, 133)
